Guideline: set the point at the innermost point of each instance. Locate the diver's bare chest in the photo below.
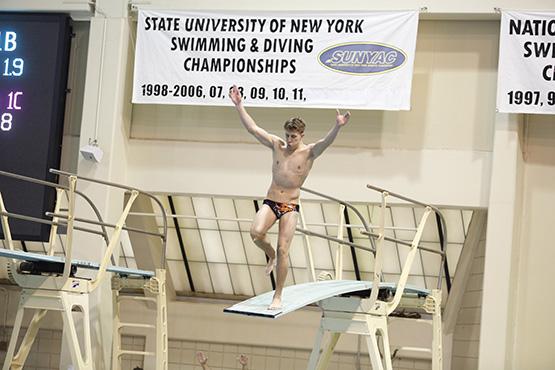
(297, 162)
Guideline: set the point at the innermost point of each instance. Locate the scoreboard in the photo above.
(34, 57)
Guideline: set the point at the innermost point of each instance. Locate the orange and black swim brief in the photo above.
(280, 209)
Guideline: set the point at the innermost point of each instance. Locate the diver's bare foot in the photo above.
(276, 304)
(270, 266)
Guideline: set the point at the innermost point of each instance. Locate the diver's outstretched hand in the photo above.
(235, 95)
(342, 119)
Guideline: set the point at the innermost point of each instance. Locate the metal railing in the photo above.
(66, 217)
(375, 233)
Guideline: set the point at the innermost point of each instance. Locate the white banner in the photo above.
(318, 60)
(526, 73)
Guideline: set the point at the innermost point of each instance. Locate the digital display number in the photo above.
(12, 67)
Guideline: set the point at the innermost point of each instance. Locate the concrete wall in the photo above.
(45, 353)
(533, 320)
(424, 153)
(223, 356)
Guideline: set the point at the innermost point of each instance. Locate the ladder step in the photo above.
(133, 298)
(127, 352)
(136, 325)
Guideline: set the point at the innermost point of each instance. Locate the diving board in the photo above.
(37, 257)
(362, 308)
(298, 296)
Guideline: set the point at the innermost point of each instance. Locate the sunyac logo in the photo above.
(362, 58)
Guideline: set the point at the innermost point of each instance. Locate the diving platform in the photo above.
(50, 282)
(362, 308)
(298, 296)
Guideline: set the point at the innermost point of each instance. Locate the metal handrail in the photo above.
(442, 226)
(132, 229)
(435, 209)
(100, 222)
(46, 222)
(366, 228)
(60, 186)
(403, 242)
(348, 205)
(164, 233)
(324, 224)
(337, 240)
(351, 207)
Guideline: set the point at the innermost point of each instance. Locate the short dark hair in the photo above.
(295, 124)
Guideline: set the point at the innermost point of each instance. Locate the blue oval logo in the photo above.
(362, 58)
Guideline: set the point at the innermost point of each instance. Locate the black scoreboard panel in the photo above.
(34, 57)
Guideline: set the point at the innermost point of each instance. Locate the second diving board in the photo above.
(37, 257)
(301, 295)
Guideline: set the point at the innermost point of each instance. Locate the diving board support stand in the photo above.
(336, 321)
(44, 294)
(57, 288)
(43, 301)
(433, 306)
(351, 315)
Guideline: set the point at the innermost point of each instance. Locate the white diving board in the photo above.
(301, 295)
(37, 257)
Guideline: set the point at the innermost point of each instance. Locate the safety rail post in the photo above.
(6, 225)
(161, 322)
(70, 219)
(339, 250)
(113, 242)
(379, 251)
(55, 220)
(391, 306)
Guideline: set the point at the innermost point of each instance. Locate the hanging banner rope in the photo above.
(312, 60)
(526, 73)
